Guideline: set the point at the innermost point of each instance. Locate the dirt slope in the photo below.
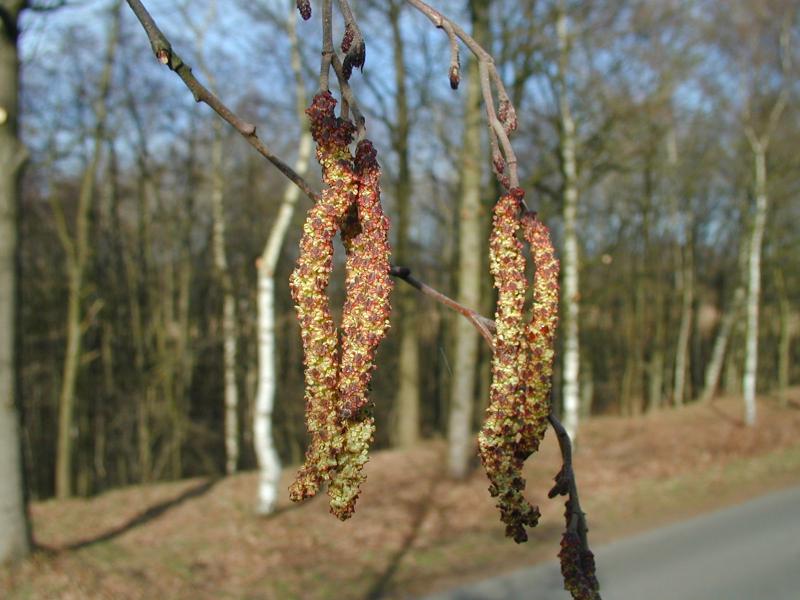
(413, 531)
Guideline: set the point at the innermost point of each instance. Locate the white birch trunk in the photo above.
(754, 284)
(685, 328)
(269, 465)
(569, 263)
(14, 540)
(231, 391)
(714, 368)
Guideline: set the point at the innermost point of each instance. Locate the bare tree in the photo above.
(76, 249)
(465, 338)
(268, 460)
(570, 267)
(14, 534)
(759, 137)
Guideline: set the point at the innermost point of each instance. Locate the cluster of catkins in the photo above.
(523, 357)
(338, 365)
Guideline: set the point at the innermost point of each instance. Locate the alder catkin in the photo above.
(537, 370)
(497, 439)
(338, 372)
(365, 320)
(309, 282)
(516, 418)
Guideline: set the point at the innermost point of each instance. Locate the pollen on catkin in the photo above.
(516, 418)
(365, 320)
(309, 282)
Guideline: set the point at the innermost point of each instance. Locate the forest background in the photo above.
(657, 139)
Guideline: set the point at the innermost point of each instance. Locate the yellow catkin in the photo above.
(516, 418)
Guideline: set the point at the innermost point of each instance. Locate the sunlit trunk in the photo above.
(569, 261)
(465, 337)
(231, 391)
(269, 466)
(14, 538)
(754, 285)
(76, 247)
(407, 410)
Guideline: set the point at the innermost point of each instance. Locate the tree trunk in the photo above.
(569, 263)
(269, 465)
(684, 274)
(77, 251)
(784, 338)
(407, 399)
(231, 393)
(685, 328)
(14, 531)
(754, 284)
(465, 337)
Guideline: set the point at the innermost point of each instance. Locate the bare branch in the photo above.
(500, 122)
(162, 48)
(484, 325)
(577, 561)
(353, 42)
(327, 46)
(348, 98)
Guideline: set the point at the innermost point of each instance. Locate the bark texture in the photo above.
(569, 263)
(76, 247)
(754, 284)
(269, 464)
(14, 538)
(465, 337)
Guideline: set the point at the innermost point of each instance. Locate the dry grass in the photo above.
(413, 530)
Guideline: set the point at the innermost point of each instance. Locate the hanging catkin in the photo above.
(309, 283)
(516, 418)
(365, 319)
(338, 372)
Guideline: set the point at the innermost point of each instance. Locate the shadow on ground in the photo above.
(141, 518)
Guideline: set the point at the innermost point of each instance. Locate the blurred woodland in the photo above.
(657, 139)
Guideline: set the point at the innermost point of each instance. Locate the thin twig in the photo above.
(348, 98)
(353, 43)
(162, 48)
(566, 483)
(484, 325)
(501, 123)
(327, 45)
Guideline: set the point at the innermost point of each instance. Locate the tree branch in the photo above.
(162, 48)
(566, 485)
(484, 325)
(501, 121)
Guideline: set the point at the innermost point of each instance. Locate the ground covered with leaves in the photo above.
(414, 531)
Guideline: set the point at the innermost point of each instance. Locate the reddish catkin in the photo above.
(365, 320)
(497, 439)
(537, 369)
(523, 359)
(304, 6)
(578, 568)
(309, 282)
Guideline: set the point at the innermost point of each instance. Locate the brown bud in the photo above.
(304, 6)
(455, 77)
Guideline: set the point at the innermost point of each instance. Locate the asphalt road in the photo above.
(747, 552)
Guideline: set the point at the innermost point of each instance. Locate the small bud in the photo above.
(163, 56)
(355, 57)
(347, 40)
(304, 6)
(455, 77)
